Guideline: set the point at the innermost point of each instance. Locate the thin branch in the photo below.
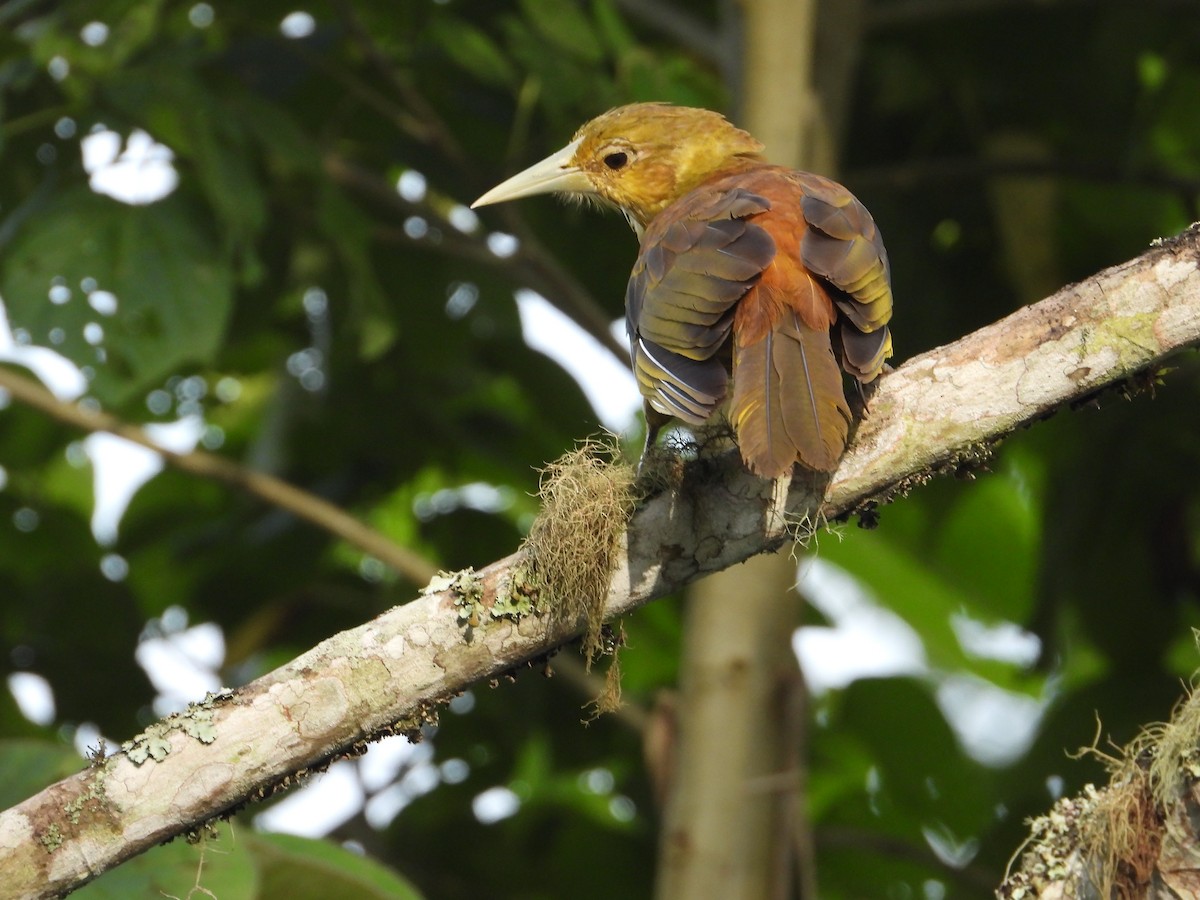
(915, 173)
(532, 265)
(435, 131)
(302, 504)
(938, 411)
(902, 12)
(680, 27)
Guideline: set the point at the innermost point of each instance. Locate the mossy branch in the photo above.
(1135, 837)
(937, 412)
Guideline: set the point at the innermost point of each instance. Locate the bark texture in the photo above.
(733, 780)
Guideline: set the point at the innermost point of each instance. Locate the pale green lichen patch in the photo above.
(518, 596)
(51, 839)
(95, 792)
(467, 591)
(442, 581)
(1050, 853)
(196, 722)
(200, 725)
(153, 743)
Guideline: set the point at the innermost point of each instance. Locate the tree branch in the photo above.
(533, 266)
(680, 27)
(913, 174)
(903, 12)
(938, 411)
(1135, 837)
(266, 487)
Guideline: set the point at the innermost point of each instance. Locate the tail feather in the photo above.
(862, 353)
(788, 402)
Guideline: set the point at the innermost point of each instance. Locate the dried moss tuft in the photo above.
(1121, 837)
(610, 698)
(1175, 760)
(1108, 842)
(587, 496)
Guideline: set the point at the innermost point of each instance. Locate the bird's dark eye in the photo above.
(616, 160)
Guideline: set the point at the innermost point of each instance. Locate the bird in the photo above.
(755, 287)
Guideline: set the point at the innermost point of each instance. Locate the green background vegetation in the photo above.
(1005, 149)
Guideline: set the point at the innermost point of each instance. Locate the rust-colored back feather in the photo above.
(788, 268)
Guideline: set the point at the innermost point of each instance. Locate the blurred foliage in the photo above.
(363, 343)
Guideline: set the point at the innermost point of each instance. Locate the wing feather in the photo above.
(696, 261)
(673, 384)
(843, 246)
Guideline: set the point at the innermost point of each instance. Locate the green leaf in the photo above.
(612, 28)
(350, 232)
(173, 290)
(31, 765)
(212, 868)
(988, 544)
(564, 24)
(305, 869)
(474, 50)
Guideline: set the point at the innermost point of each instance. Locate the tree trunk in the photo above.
(722, 837)
(724, 833)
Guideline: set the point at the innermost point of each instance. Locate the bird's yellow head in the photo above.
(639, 158)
